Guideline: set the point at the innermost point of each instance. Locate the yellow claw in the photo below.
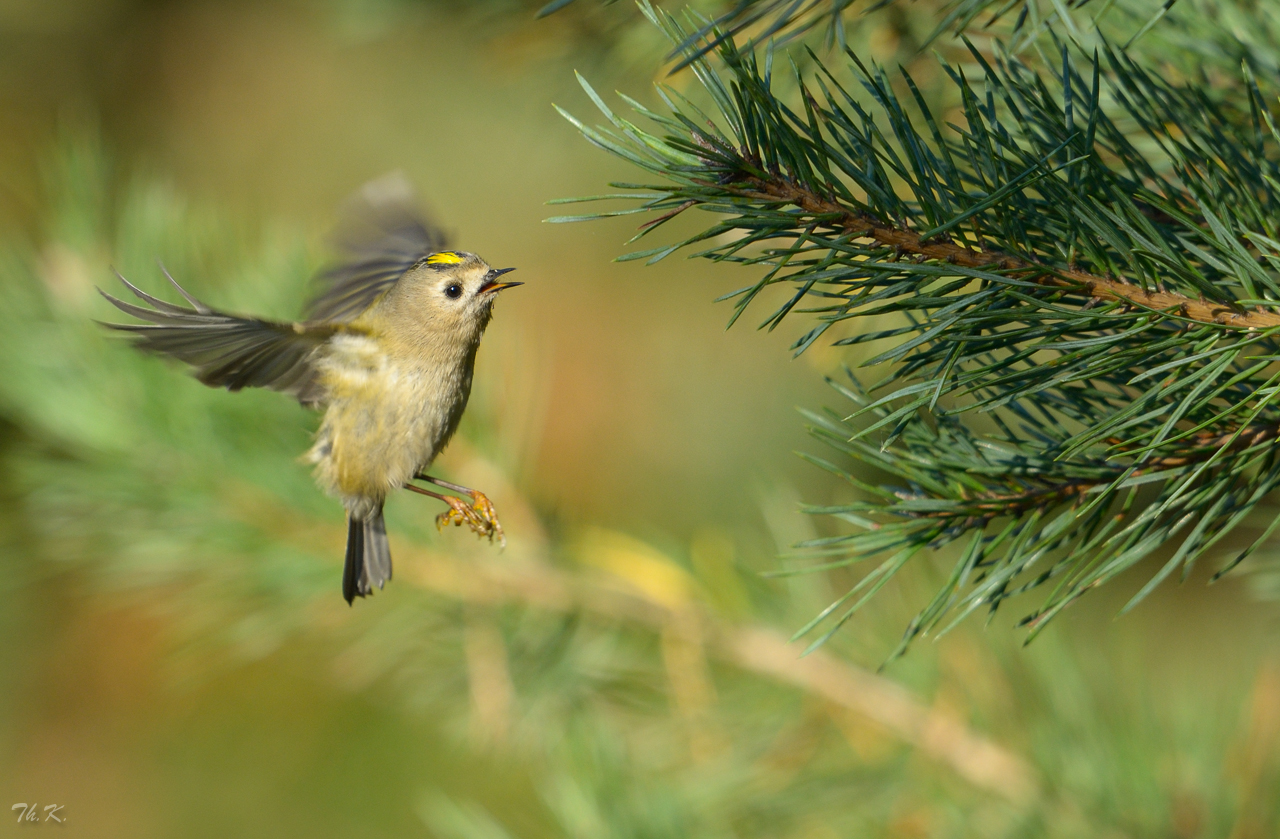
(479, 516)
(484, 507)
(458, 514)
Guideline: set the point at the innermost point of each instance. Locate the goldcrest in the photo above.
(388, 350)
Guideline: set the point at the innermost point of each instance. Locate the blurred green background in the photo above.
(178, 660)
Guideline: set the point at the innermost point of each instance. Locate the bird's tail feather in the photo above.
(368, 556)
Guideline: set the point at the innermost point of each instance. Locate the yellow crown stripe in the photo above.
(444, 258)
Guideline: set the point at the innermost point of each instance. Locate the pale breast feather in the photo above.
(384, 421)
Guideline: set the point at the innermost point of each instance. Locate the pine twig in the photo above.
(1081, 282)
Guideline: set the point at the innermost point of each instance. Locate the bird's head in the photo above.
(454, 290)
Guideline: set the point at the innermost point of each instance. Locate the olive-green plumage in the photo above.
(388, 351)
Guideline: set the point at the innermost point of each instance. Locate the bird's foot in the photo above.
(481, 504)
(479, 516)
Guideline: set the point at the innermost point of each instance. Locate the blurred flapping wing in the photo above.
(228, 350)
(382, 234)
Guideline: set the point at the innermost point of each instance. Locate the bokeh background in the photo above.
(177, 660)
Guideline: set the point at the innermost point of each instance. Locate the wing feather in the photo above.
(228, 350)
(383, 233)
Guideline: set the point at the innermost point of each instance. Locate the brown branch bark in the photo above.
(1086, 284)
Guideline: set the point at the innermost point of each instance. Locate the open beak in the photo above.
(491, 284)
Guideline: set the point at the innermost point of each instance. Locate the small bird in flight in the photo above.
(387, 350)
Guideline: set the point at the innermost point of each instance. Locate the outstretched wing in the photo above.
(227, 350)
(383, 233)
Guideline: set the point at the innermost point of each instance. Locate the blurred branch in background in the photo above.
(763, 19)
(1210, 32)
(757, 650)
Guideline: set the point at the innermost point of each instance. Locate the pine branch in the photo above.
(1084, 370)
(831, 213)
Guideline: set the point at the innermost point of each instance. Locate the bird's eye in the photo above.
(454, 291)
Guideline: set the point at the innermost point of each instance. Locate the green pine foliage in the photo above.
(1079, 265)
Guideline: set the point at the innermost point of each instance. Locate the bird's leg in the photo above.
(479, 516)
(459, 512)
